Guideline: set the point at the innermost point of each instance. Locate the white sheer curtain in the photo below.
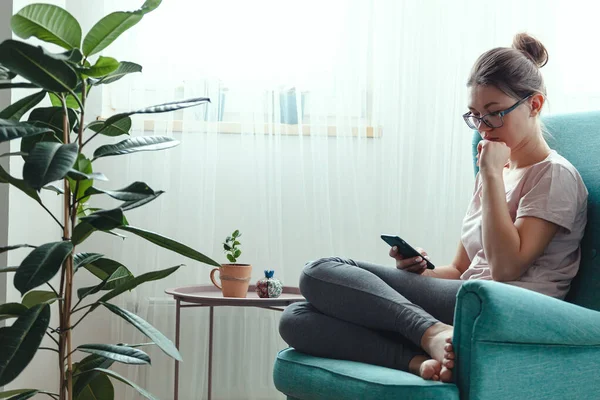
(375, 87)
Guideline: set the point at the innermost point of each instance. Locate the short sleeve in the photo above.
(552, 195)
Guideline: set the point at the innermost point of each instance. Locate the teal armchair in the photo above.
(510, 343)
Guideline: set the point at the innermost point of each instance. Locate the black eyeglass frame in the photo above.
(467, 116)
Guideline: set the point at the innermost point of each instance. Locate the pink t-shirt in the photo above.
(551, 190)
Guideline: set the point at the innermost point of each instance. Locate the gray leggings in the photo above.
(364, 312)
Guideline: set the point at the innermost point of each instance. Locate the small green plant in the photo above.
(231, 246)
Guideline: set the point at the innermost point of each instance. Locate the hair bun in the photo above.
(532, 48)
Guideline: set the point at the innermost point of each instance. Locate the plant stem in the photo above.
(69, 355)
(54, 290)
(47, 348)
(83, 95)
(53, 395)
(52, 215)
(74, 310)
(67, 270)
(90, 139)
(80, 319)
(52, 337)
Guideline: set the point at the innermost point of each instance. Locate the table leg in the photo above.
(177, 322)
(210, 351)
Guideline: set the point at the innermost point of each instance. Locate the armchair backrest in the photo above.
(577, 138)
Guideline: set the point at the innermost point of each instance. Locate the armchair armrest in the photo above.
(515, 343)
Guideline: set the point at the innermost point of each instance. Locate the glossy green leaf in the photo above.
(82, 384)
(5, 74)
(138, 280)
(154, 334)
(84, 165)
(49, 162)
(103, 268)
(99, 388)
(118, 277)
(133, 145)
(70, 100)
(105, 31)
(36, 297)
(10, 130)
(126, 381)
(102, 67)
(161, 108)
(54, 188)
(33, 64)
(150, 5)
(74, 56)
(122, 354)
(10, 393)
(230, 258)
(106, 220)
(12, 310)
(29, 142)
(83, 259)
(16, 110)
(41, 265)
(77, 175)
(19, 184)
(125, 67)
(130, 205)
(16, 153)
(49, 23)
(27, 394)
(19, 342)
(81, 232)
(53, 116)
(135, 191)
(121, 127)
(171, 244)
(18, 85)
(14, 247)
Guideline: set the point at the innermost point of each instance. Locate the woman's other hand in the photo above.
(492, 156)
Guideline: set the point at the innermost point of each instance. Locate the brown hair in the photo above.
(514, 70)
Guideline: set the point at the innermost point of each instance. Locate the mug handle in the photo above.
(212, 278)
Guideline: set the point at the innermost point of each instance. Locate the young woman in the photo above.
(523, 227)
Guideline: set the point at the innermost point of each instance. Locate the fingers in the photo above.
(423, 252)
(416, 265)
(394, 253)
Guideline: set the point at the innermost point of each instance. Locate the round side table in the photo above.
(210, 296)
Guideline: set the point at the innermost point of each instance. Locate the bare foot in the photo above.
(448, 363)
(437, 342)
(425, 367)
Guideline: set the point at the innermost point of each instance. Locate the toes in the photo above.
(446, 375)
(449, 356)
(448, 363)
(449, 339)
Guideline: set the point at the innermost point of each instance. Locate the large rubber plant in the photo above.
(53, 142)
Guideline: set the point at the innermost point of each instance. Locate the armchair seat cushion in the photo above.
(301, 376)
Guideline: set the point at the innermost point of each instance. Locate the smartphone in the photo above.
(404, 248)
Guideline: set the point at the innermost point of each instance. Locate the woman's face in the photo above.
(518, 125)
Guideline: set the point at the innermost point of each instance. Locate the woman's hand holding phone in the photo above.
(416, 265)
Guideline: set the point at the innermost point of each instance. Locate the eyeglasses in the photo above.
(494, 119)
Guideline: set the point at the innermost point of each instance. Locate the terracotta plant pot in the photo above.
(235, 279)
